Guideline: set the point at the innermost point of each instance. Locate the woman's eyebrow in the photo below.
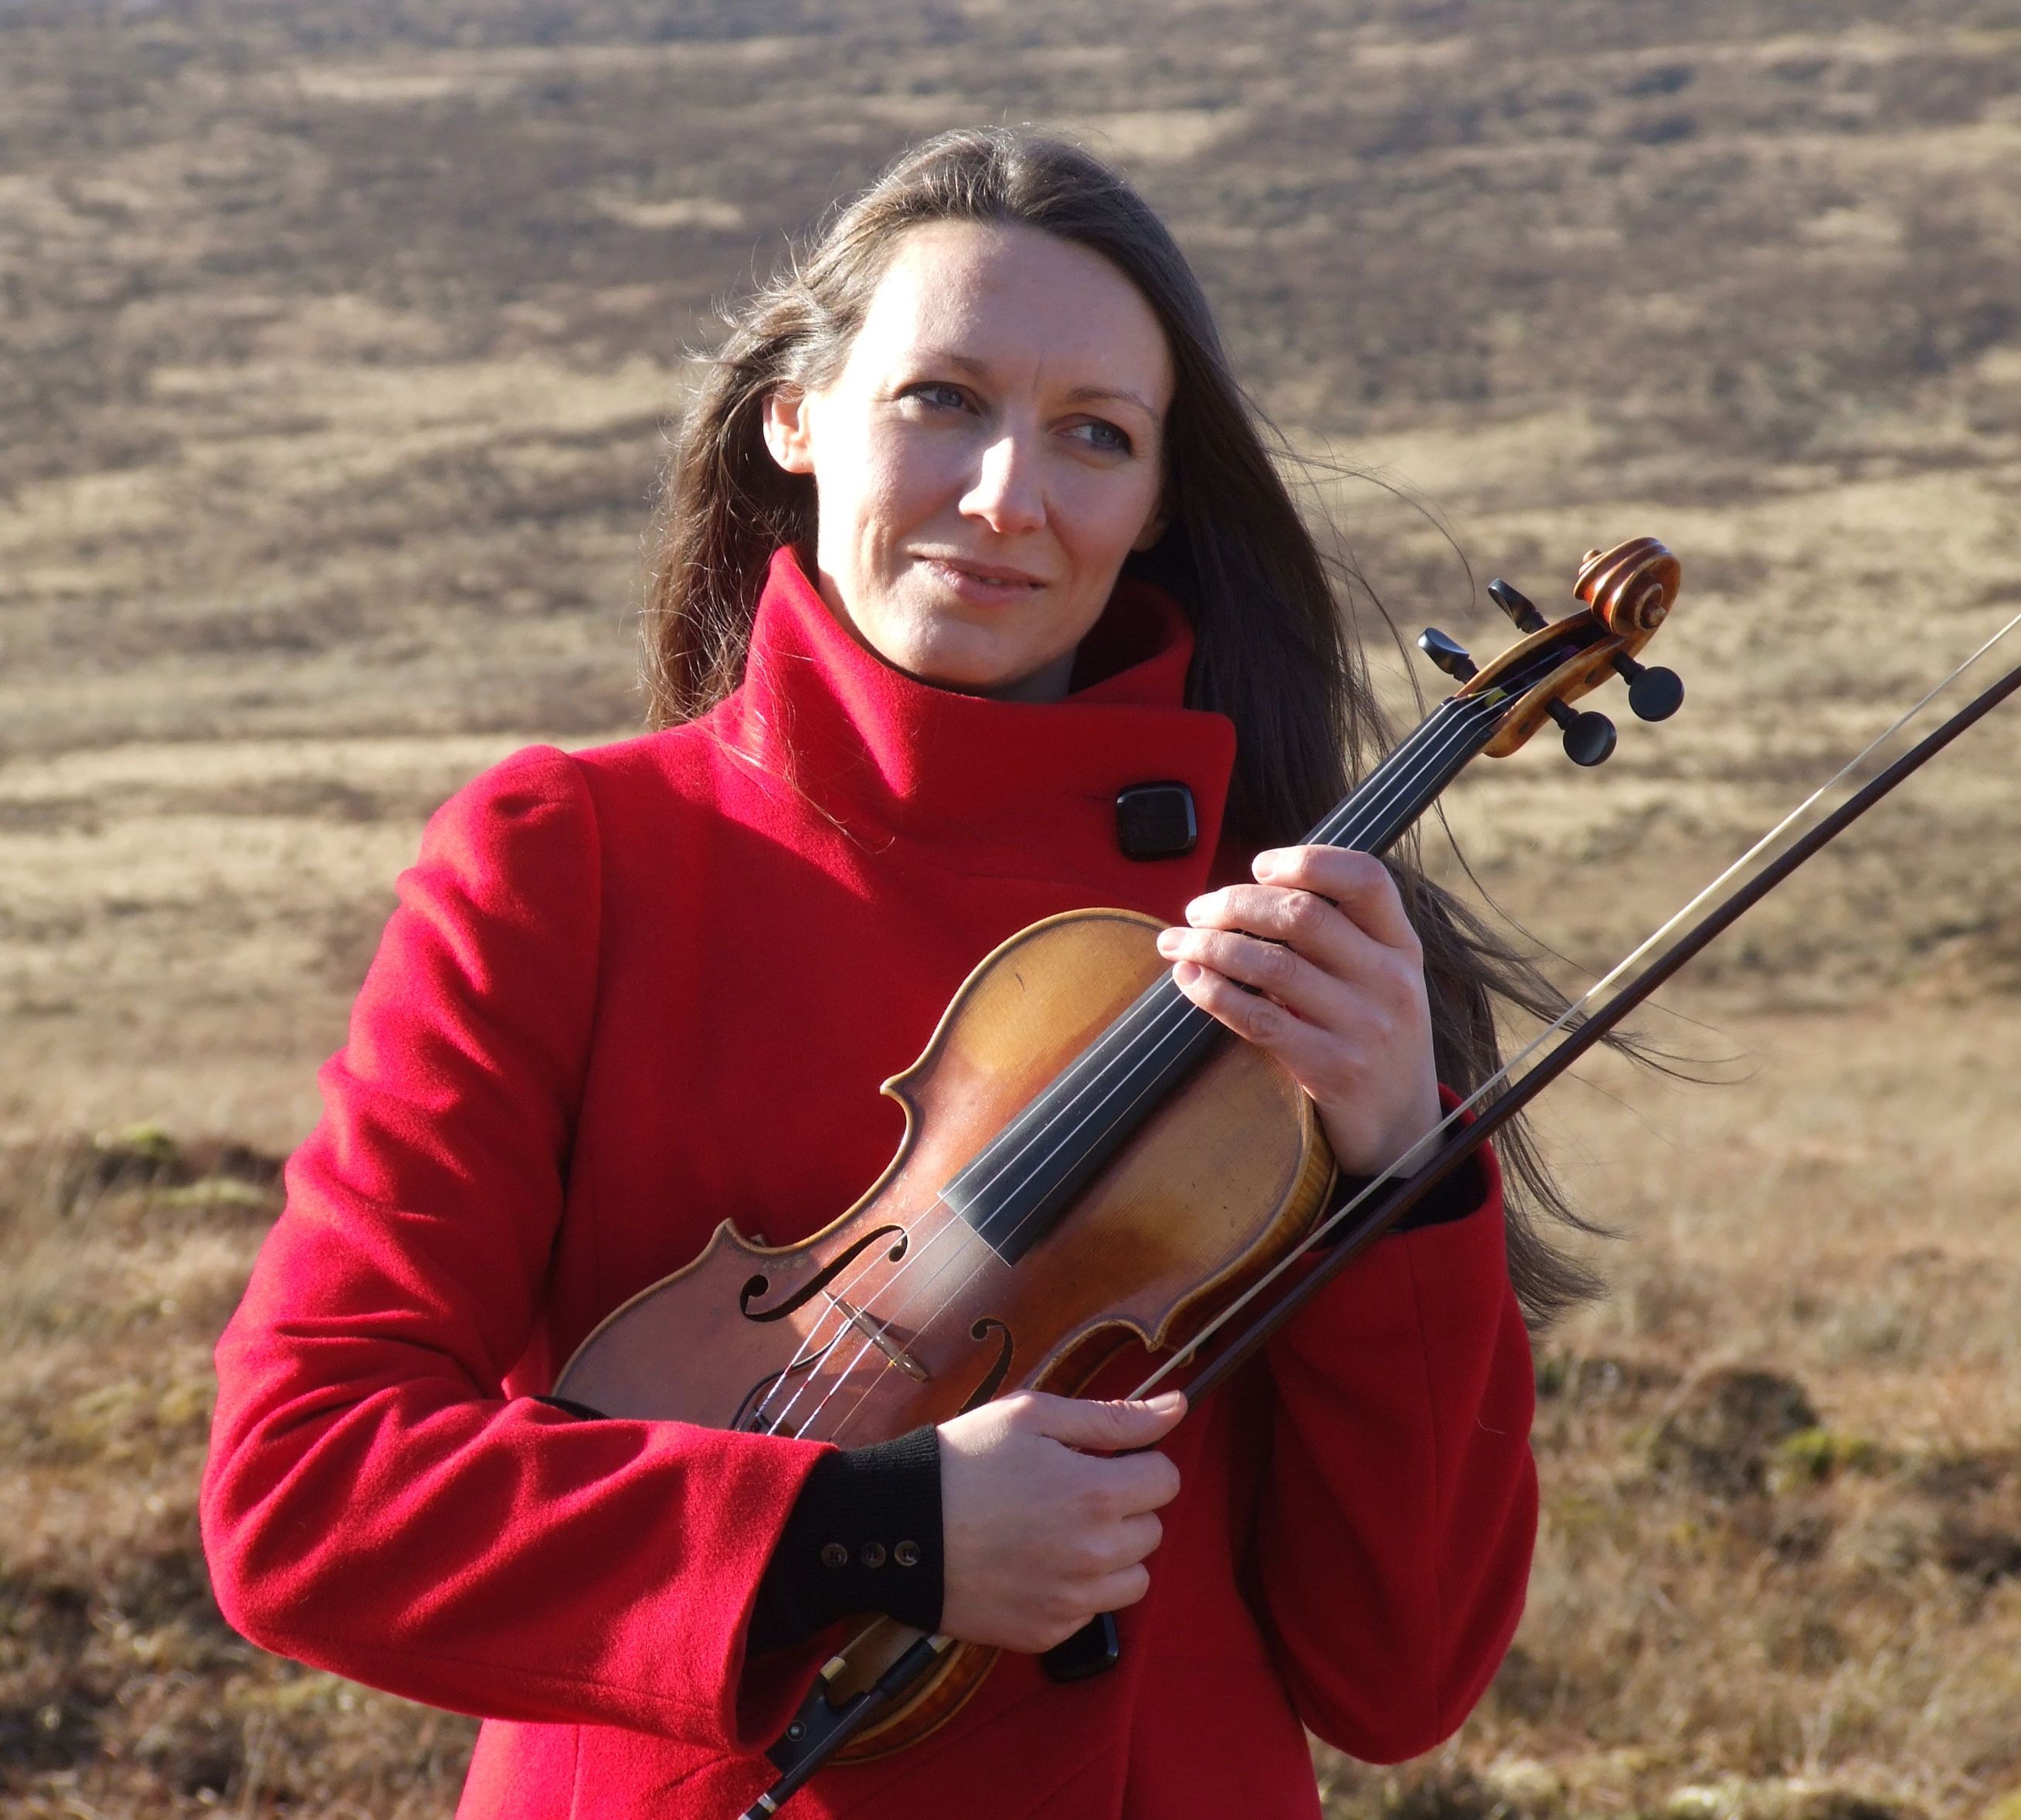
(1090, 394)
(967, 364)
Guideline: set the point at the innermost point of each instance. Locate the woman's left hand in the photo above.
(1340, 991)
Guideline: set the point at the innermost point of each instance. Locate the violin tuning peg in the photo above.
(1518, 607)
(1446, 654)
(1654, 694)
(1589, 738)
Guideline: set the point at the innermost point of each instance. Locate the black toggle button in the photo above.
(1156, 821)
(872, 1555)
(834, 1555)
(906, 1554)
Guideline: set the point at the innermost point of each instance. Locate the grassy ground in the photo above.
(336, 347)
(1783, 1493)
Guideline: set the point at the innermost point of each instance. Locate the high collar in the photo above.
(880, 752)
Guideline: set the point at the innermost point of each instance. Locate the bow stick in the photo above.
(1485, 1111)
(1449, 1146)
(1393, 1198)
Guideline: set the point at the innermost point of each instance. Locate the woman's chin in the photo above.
(1002, 675)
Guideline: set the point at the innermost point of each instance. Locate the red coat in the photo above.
(628, 993)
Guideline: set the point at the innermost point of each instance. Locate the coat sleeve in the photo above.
(373, 1503)
(1395, 1531)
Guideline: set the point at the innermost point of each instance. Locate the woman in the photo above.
(906, 656)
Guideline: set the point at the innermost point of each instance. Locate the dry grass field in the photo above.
(338, 345)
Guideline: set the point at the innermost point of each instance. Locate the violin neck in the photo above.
(1378, 811)
(1024, 1181)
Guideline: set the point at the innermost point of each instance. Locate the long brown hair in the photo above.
(1268, 611)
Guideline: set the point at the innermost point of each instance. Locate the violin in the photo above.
(1090, 1163)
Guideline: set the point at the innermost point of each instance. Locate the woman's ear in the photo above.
(1154, 527)
(786, 431)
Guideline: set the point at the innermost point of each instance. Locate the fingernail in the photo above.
(1166, 1401)
(1186, 972)
(1267, 863)
(1199, 906)
(1168, 942)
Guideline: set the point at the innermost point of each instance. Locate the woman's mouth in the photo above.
(983, 581)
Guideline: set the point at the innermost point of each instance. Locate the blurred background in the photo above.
(340, 345)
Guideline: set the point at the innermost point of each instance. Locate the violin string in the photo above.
(1834, 822)
(1443, 732)
(1442, 739)
(1444, 743)
(1151, 1046)
(1572, 1013)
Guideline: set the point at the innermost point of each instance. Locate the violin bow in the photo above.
(1450, 1145)
(1470, 1125)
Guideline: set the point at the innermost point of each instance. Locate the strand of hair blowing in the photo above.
(1273, 652)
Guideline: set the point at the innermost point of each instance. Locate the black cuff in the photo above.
(864, 1535)
(1460, 1194)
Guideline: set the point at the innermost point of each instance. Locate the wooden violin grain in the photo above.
(902, 1312)
(1221, 1181)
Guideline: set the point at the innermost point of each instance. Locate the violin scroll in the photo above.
(1626, 594)
(1631, 587)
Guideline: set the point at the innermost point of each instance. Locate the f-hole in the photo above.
(758, 1285)
(992, 1380)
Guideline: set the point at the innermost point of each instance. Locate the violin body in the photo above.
(901, 1312)
(1090, 1163)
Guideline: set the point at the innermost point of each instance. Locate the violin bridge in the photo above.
(873, 1330)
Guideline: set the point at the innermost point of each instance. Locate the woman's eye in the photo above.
(1105, 437)
(935, 392)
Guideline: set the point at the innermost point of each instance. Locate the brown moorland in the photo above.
(337, 349)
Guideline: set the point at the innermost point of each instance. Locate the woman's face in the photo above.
(990, 452)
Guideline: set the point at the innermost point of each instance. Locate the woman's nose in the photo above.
(1006, 495)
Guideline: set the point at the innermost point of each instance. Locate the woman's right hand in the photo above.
(1040, 1533)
